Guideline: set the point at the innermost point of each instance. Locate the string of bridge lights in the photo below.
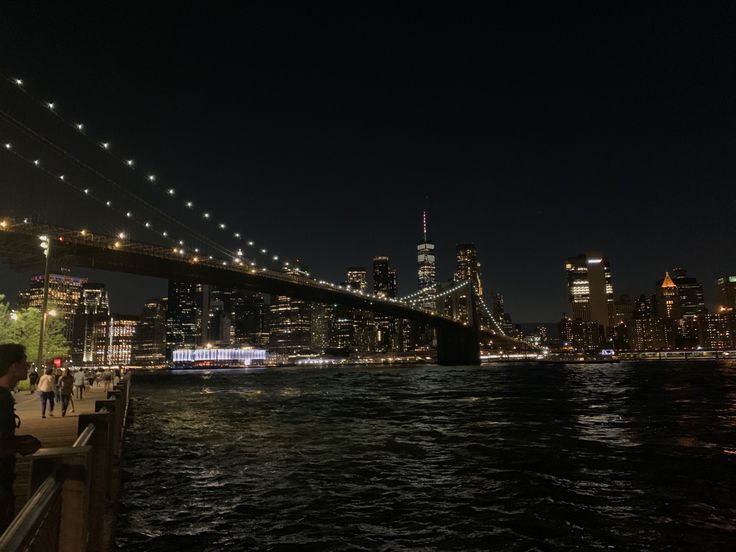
(24, 128)
(178, 249)
(150, 177)
(237, 256)
(422, 291)
(489, 313)
(86, 191)
(439, 295)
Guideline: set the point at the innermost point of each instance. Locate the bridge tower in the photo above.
(458, 345)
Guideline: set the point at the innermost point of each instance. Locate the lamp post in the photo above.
(46, 246)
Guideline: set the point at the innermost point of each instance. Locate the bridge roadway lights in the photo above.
(457, 345)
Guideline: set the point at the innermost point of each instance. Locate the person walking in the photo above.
(32, 380)
(13, 368)
(57, 378)
(47, 391)
(66, 388)
(79, 383)
(90, 376)
(107, 379)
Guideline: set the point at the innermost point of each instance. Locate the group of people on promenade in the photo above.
(61, 386)
(13, 369)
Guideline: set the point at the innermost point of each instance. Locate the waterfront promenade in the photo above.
(53, 431)
(67, 492)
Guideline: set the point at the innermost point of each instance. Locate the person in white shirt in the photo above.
(79, 383)
(47, 391)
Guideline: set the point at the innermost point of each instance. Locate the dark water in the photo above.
(503, 457)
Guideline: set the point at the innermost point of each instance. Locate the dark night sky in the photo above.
(535, 135)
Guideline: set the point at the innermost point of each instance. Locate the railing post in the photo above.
(115, 409)
(74, 531)
(99, 465)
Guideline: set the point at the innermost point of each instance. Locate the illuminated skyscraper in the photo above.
(361, 337)
(64, 294)
(384, 284)
(726, 293)
(668, 299)
(356, 278)
(426, 266)
(247, 311)
(679, 296)
(692, 299)
(184, 315)
(150, 339)
(90, 325)
(468, 267)
(121, 332)
(291, 323)
(384, 277)
(590, 289)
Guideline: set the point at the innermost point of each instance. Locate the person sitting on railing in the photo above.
(13, 368)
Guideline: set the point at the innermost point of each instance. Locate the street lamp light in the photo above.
(45, 244)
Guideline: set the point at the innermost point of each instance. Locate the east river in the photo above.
(630, 456)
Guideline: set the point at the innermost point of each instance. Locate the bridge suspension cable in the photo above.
(488, 312)
(88, 193)
(420, 292)
(441, 294)
(150, 178)
(87, 190)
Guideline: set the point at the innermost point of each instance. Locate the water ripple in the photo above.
(505, 457)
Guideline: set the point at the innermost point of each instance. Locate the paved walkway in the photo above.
(52, 431)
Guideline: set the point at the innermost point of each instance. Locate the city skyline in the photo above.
(145, 288)
(604, 159)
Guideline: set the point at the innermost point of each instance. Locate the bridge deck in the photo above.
(52, 432)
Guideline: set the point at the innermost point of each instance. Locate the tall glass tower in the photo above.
(426, 265)
(590, 289)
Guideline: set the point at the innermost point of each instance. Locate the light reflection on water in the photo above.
(503, 457)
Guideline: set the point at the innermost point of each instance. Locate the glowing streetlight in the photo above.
(45, 244)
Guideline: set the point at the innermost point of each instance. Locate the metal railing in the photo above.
(74, 489)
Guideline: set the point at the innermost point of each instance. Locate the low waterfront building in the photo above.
(220, 357)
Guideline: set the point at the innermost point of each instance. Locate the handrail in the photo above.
(33, 511)
(80, 482)
(85, 436)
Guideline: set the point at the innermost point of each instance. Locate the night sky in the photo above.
(323, 134)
